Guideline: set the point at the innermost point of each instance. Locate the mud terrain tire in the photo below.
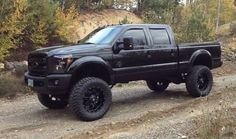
(199, 81)
(90, 99)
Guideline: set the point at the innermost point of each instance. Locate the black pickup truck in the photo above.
(82, 75)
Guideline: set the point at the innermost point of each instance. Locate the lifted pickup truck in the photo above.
(81, 75)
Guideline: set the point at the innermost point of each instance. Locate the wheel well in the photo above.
(203, 60)
(92, 70)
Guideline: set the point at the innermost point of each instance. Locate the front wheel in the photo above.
(199, 81)
(157, 86)
(90, 99)
(53, 102)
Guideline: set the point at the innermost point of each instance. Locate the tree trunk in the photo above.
(141, 6)
(218, 15)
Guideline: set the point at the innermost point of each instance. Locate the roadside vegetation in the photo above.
(12, 86)
(27, 24)
(220, 122)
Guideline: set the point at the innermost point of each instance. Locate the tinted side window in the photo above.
(138, 36)
(160, 37)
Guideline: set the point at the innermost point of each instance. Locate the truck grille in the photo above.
(37, 64)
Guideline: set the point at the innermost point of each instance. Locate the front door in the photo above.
(130, 64)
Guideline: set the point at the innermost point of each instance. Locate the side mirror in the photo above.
(128, 43)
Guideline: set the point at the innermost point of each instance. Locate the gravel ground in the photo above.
(136, 112)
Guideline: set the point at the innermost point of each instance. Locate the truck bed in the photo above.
(212, 43)
(188, 51)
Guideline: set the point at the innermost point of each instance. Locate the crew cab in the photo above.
(81, 76)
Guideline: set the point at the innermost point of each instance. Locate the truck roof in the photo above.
(141, 25)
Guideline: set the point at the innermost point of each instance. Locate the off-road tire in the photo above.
(53, 102)
(157, 86)
(199, 81)
(88, 93)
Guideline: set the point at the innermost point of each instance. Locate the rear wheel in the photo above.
(199, 81)
(53, 102)
(90, 99)
(157, 86)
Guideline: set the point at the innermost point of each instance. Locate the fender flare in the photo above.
(83, 61)
(197, 54)
(88, 60)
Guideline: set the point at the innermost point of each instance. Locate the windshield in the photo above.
(101, 36)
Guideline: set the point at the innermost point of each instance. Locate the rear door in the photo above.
(163, 54)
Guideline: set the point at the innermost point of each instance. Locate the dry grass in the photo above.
(224, 30)
(11, 86)
(217, 126)
(219, 123)
(226, 35)
(217, 129)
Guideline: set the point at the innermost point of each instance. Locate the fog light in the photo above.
(56, 82)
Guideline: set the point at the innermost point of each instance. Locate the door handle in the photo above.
(149, 54)
(172, 52)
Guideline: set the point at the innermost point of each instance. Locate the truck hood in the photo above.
(68, 49)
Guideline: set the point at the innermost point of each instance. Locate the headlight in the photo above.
(62, 62)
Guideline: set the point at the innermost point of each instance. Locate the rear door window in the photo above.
(160, 37)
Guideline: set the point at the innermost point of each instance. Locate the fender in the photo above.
(196, 54)
(88, 60)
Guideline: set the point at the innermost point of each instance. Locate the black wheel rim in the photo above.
(93, 100)
(202, 81)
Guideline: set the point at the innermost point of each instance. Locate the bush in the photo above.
(125, 21)
(195, 26)
(85, 4)
(5, 45)
(29, 24)
(65, 24)
(49, 24)
(12, 22)
(40, 19)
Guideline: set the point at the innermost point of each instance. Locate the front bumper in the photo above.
(51, 84)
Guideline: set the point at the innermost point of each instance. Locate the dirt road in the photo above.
(136, 112)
